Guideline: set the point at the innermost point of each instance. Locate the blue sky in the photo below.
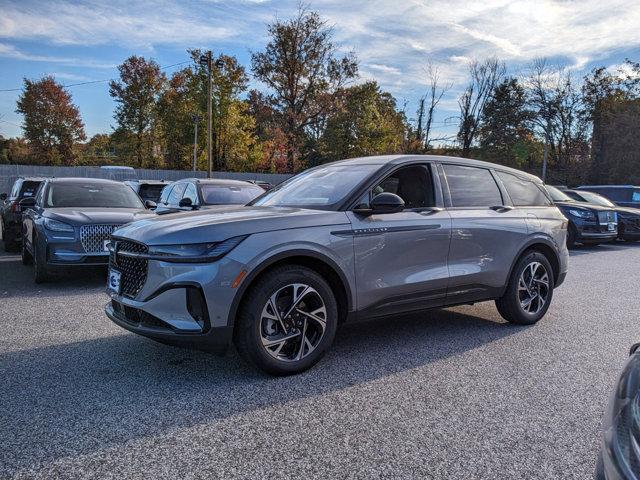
(394, 40)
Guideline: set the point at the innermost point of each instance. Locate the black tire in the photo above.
(248, 330)
(510, 304)
(41, 273)
(571, 236)
(27, 259)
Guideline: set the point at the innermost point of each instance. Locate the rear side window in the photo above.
(29, 189)
(523, 193)
(191, 193)
(472, 186)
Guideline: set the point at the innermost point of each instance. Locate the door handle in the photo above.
(501, 208)
(431, 210)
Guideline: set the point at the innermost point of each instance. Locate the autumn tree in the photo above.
(136, 94)
(368, 123)
(52, 123)
(303, 71)
(504, 125)
(427, 106)
(484, 76)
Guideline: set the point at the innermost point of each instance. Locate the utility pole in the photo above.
(206, 60)
(196, 119)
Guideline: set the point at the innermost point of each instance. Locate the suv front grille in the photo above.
(605, 217)
(133, 271)
(93, 237)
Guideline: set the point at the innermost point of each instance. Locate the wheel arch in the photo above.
(545, 246)
(318, 262)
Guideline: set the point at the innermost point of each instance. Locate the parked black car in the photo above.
(620, 453)
(148, 189)
(623, 195)
(70, 220)
(11, 212)
(588, 223)
(194, 193)
(628, 218)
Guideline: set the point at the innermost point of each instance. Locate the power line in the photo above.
(94, 81)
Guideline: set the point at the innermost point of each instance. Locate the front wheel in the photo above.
(8, 238)
(287, 321)
(27, 259)
(529, 292)
(40, 271)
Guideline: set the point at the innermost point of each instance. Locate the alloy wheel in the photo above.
(293, 322)
(533, 287)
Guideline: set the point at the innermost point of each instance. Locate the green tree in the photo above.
(504, 125)
(52, 123)
(301, 67)
(368, 123)
(136, 94)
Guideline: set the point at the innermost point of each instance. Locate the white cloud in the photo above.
(9, 51)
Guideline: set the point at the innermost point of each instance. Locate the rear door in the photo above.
(487, 233)
(401, 258)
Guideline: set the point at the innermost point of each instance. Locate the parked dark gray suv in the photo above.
(70, 220)
(11, 212)
(365, 237)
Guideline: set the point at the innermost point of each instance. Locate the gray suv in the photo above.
(365, 237)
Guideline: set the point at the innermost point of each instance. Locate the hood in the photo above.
(628, 211)
(217, 224)
(588, 206)
(85, 216)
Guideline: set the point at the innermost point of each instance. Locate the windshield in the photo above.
(150, 191)
(317, 188)
(91, 195)
(595, 198)
(557, 195)
(229, 195)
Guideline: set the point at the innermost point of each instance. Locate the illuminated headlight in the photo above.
(56, 226)
(194, 252)
(622, 420)
(586, 214)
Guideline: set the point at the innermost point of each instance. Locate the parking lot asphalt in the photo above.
(454, 393)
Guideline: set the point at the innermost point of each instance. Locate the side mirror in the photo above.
(3, 196)
(150, 204)
(185, 202)
(634, 349)
(27, 202)
(386, 202)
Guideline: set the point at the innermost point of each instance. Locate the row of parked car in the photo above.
(373, 236)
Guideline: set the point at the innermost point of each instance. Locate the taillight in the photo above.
(15, 207)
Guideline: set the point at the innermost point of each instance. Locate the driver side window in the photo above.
(412, 183)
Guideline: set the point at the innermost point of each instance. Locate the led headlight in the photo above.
(586, 214)
(622, 422)
(56, 226)
(194, 252)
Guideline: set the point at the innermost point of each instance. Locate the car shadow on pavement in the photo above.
(76, 398)
(17, 280)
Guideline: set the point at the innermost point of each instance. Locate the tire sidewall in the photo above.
(253, 311)
(522, 264)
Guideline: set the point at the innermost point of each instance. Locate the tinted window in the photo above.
(523, 193)
(191, 193)
(413, 184)
(319, 187)
(91, 195)
(591, 198)
(176, 193)
(29, 189)
(229, 195)
(615, 194)
(472, 186)
(635, 196)
(150, 192)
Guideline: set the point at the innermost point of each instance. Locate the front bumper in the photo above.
(214, 340)
(596, 237)
(65, 257)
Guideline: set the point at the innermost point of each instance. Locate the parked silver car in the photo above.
(365, 237)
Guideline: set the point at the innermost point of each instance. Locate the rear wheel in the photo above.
(8, 238)
(287, 321)
(529, 292)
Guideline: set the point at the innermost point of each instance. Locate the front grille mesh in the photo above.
(133, 271)
(92, 237)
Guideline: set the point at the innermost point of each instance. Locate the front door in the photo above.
(401, 258)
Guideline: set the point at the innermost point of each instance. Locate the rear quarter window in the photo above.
(472, 186)
(523, 193)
